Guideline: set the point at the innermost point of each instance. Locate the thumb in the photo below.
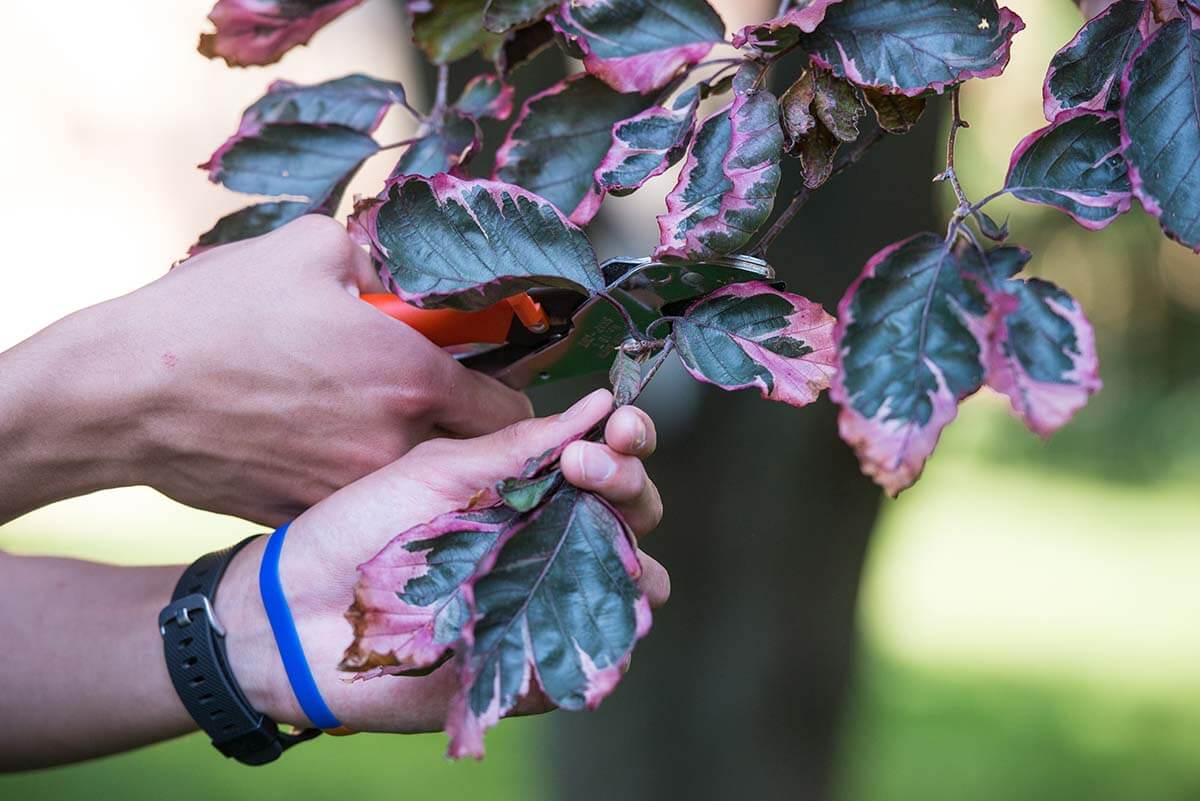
(480, 462)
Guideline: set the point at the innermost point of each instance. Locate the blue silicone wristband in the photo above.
(287, 639)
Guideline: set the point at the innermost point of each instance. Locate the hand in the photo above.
(251, 381)
(325, 544)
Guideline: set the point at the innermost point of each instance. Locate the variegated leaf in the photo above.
(751, 335)
(1075, 165)
(559, 139)
(1042, 350)
(646, 144)
(448, 143)
(408, 609)
(486, 96)
(911, 335)
(355, 101)
(556, 606)
(256, 32)
(727, 187)
(636, 46)
(1087, 72)
(908, 48)
(1160, 127)
(444, 241)
(783, 32)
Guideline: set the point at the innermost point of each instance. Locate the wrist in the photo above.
(250, 643)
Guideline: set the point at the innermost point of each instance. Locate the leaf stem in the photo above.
(401, 143)
(443, 85)
(656, 364)
(951, 174)
(629, 323)
(802, 195)
(997, 194)
(783, 7)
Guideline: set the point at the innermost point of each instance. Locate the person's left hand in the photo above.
(326, 543)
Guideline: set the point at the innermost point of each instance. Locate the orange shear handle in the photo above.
(448, 327)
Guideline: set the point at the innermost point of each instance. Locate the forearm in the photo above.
(70, 412)
(82, 672)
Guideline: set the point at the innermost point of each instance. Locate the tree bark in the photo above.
(740, 689)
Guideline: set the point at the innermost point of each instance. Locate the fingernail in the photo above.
(596, 465)
(579, 406)
(639, 434)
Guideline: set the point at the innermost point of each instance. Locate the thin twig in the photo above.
(951, 174)
(629, 323)
(443, 85)
(655, 365)
(783, 7)
(848, 159)
(401, 143)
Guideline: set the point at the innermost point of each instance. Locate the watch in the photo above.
(194, 647)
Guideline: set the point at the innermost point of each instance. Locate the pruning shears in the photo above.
(547, 334)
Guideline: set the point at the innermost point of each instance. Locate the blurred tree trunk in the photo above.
(739, 691)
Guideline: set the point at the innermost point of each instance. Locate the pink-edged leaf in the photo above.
(1160, 127)
(356, 101)
(1087, 72)
(445, 241)
(1074, 165)
(450, 30)
(911, 334)
(408, 609)
(1042, 350)
(294, 159)
(448, 143)
(902, 47)
(486, 96)
(727, 187)
(256, 32)
(556, 609)
(502, 15)
(559, 139)
(751, 335)
(783, 32)
(638, 46)
(647, 144)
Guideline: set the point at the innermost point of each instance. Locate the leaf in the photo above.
(1042, 351)
(299, 160)
(990, 228)
(257, 32)
(559, 606)
(816, 150)
(451, 143)
(444, 241)
(838, 105)
(751, 335)
(526, 494)
(501, 15)
(783, 32)
(450, 30)
(636, 46)
(559, 139)
(486, 96)
(647, 144)
(1075, 165)
(408, 608)
(902, 47)
(522, 45)
(625, 377)
(911, 334)
(356, 101)
(249, 222)
(1160, 128)
(897, 114)
(1087, 72)
(727, 187)
(796, 107)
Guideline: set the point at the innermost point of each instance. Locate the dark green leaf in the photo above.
(897, 114)
(501, 15)
(452, 29)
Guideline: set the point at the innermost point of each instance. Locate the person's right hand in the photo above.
(252, 381)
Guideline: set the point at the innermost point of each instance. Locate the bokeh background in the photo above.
(1028, 620)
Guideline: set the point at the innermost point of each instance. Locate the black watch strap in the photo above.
(194, 647)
